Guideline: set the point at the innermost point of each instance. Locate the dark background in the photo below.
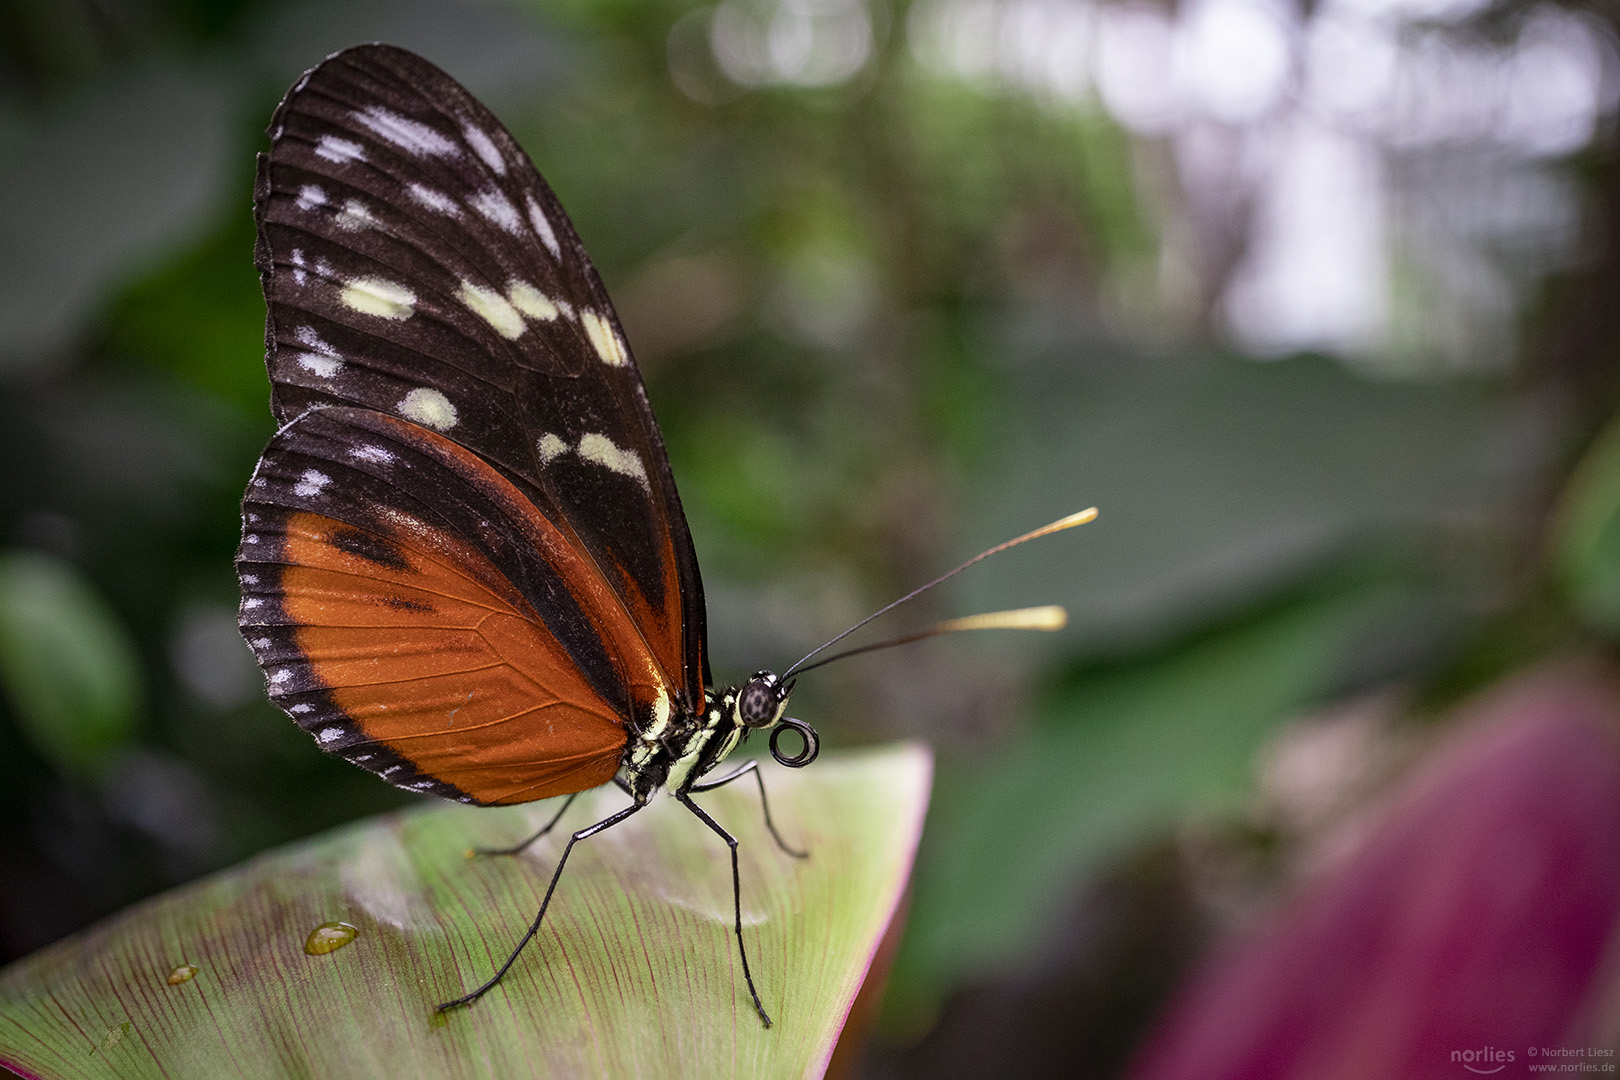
(1319, 305)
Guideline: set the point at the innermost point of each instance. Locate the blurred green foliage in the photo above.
(1587, 552)
(68, 667)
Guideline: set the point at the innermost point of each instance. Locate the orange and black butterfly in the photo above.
(464, 564)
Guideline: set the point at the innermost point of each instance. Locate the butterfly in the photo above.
(464, 564)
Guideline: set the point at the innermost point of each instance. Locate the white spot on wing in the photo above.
(331, 734)
(485, 148)
(433, 199)
(603, 339)
(374, 454)
(550, 447)
(310, 196)
(601, 450)
(493, 204)
(250, 579)
(566, 309)
(542, 227)
(322, 359)
(410, 135)
(308, 338)
(380, 297)
(338, 150)
(323, 367)
(493, 308)
(297, 260)
(279, 677)
(428, 407)
(301, 708)
(531, 301)
(355, 216)
(311, 483)
(251, 602)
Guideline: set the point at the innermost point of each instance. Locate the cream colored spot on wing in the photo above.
(601, 450)
(380, 297)
(551, 447)
(542, 227)
(485, 148)
(531, 301)
(493, 308)
(428, 407)
(603, 339)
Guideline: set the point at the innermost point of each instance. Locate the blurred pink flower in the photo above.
(1468, 933)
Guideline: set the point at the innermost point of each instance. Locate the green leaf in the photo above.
(68, 667)
(1586, 538)
(1124, 752)
(635, 972)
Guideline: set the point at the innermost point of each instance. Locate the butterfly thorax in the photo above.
(674, 751)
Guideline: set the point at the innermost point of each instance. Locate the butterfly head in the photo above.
(760, 703)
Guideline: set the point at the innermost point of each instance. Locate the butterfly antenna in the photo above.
(1059, 525)
(1050, 617)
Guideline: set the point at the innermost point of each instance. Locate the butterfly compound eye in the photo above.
(812, 743)
(759, 704)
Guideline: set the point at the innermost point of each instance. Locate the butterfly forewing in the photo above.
(464, 561)
(415, 263)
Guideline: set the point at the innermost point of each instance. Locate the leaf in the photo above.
(125, 173)
(1220, 483)
(635, 972)
(1586, 537)
(1125, 752)
(68, 667)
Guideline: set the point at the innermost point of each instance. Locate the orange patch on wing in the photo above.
(429, 650)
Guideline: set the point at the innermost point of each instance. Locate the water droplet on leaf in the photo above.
(329, 937)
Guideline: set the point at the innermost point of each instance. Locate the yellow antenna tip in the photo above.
(1050, 617)
(1088, 514)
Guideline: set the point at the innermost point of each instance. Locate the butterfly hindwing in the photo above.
(418, 615)
(416, 265)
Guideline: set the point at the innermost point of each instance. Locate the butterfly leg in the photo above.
(736, 895)
(534, 927)
(518, 847)
(765, 804)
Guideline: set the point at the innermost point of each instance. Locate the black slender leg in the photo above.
(743, 770)
(736, 895)
(517, 848)
(534, 927)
